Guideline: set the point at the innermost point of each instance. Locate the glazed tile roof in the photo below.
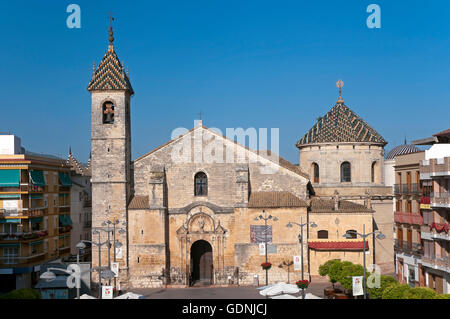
(341, 124)
(110, 74)
(338, 245)
(77, 166)
(402, 150)
(274, 199)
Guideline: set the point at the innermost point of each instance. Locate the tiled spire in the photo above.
(341, 124)
(110, 73)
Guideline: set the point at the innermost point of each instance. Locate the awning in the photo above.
(36, 242)
(9, 245)
(338, 245)
(65, 179)
(9, 177)
(65, 220)
(37, 178)
(36, 196)
(9, 196)
(63, 236)
(36, 220)
(10, 221)
(63, 194)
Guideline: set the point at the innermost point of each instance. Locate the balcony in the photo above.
(23, 260)
(24, 212)
(87, 224)
(397, 189)
(408, 247)
(435, 167)
(23, 236)
(435, 262)
(435, 231)
(64, 229)
(408, 218)
(440, 199)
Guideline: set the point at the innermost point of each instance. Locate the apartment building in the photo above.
(407, 216)
(81, 206)
(435, 208)
(35, 221)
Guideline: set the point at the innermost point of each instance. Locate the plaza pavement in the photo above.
(245, 292)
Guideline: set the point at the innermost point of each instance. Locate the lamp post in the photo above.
(300, 239)
(49, 275)
(380, 235)
(265, 218)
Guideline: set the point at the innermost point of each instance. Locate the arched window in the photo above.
(201, 184)
(315, 172)
(322, 234)
(108, 112)
(373, 172)
(346, 175)
(352, 233)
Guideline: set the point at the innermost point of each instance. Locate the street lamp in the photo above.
(265, 218)
(380, 236)
(300, 239)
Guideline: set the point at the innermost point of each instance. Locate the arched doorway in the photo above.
(201, 263)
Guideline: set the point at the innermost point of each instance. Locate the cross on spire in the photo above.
(340, 85)
(200, 115)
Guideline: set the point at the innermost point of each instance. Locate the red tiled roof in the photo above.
(338, 245)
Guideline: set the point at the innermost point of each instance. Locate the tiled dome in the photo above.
(402, 150)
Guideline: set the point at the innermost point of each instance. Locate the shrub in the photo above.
(395, 291)
(26, 293)
(446, 296)
(385, 281)
(348, 271)
(420, 293)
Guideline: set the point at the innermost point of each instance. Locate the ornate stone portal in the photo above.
(202, 225)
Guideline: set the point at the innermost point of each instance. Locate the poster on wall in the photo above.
(115, 269)
(107, 292)
(119, 252)
(357, 285)
(258, 234)
(297, 263)
(262, 249)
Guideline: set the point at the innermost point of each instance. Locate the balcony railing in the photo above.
(16, 260)
(440, 199)
(64, 229)
(441, 262)
(435, 167)
(24, 212)
(87, 224)
(397, 189)
(408, 218)
(23, 235)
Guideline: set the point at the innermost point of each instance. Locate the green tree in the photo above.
(349, 270)
(333, 269)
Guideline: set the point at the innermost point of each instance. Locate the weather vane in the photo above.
(111, 34)
(340, 85)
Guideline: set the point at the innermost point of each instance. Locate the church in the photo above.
(190, 220)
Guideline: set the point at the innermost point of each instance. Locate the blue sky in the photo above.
(242, 63)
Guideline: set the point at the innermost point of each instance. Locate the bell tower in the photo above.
(110, 91)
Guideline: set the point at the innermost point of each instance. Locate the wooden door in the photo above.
(439, 285)
(206, 265)
(409, 238)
